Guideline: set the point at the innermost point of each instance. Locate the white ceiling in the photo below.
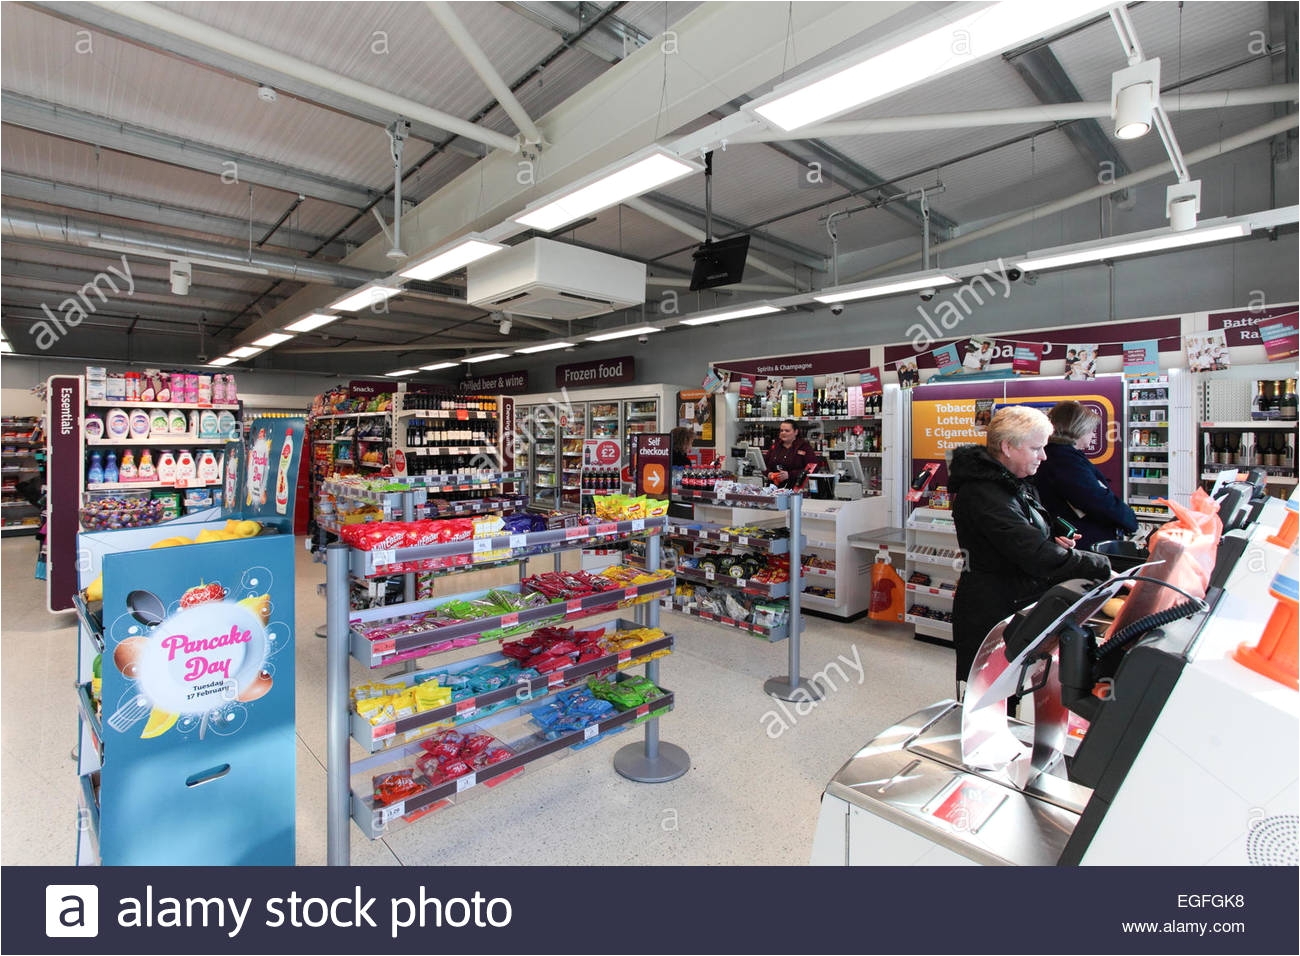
(84, 135)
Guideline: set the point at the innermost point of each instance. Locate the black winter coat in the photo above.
(1068, 483)
(1011, 559)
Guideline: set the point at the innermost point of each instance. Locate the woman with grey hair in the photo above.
(1072, 487)
(1011, 555)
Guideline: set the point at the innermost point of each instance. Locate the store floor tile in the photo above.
(752, 794)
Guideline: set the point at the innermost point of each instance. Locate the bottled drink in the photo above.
(1289, 401)
(1271, 450)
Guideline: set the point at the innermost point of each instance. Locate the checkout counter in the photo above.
(1190, 758)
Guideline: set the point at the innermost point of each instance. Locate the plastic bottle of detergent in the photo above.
(110, 468)
(166, 468)
(147, 471)
(186, 470)
(95, 475)
(127, 472)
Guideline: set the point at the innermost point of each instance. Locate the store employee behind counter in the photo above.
(1012, 556)
(790, 457)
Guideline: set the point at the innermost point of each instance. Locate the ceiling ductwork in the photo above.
(32, 226)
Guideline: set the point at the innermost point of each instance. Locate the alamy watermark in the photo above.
(77, 308)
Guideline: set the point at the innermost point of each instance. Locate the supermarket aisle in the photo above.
(751, 796)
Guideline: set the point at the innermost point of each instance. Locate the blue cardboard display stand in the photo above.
(196, 742)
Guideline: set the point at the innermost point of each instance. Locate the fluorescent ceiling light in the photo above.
(272, 339)
(365, 296)
(460, 254)
(223, 361)
(490, 356)
(311, 322)
(705, 318)
(1134, 245)
(958, 43)
(438, 365)
(245, 351)
(544, 348)
(641, 173)
(623, 333)
(5, 346)
(887, 287)
(400, 372)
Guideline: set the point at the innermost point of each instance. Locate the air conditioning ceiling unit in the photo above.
(553, 280)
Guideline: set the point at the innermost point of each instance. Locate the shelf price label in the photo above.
(575, 532)
(482, 544)
(462, 414)
(590, 731)
(554, 679)
(391, 812)
(723, 536)
(630, 592)
(742, 539)
(383, 557)
(383, 731)
(386, 646)
(624, 655)
(510, 620)
(638, 524)
(465, 782)
(467, 707)
(518, 541)
(643, 710)
(609, 527)
(709, 574)
(573, 606)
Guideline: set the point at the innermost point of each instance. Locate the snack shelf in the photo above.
(1162, 465)
(388, 499)
(778, 502)
(825, 574)
(935, 592)
(376, 738)
(370, 563)
(920, 620)
(772, 634)
(379, 653)
(87, 707)
(944, 560)
(97, 403)
(474, 506)
(92, 620)
(153, 441)
(748, 585)
(754, 543)
(374, 820)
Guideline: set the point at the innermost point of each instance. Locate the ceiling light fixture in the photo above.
(459, 254)
(1131, 245)
(883, 287)
(223, 361)
(505, 326)
(641, 172)
(704, 318)
(490, 356)
(311, 322)
(1183, 205)
(437, 366)
(1134, 95)
(181, 272)
(367, 295)
(960, 42)
(401, 372)
(272, 339)
(623, 333)
(533, 349)
(245, 352)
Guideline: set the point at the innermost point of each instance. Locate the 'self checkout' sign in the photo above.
(654, 456)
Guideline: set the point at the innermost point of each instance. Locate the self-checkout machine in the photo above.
(1190, 757)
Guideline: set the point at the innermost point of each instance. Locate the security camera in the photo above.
(837, 308)
(643, 339)
(1014, 274)
(927, 295)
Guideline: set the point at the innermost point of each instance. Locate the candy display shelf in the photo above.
(932, 553)
(506, 707)
(772, 634)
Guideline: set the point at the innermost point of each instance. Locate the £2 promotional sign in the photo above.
(654, 458)
(601, 453)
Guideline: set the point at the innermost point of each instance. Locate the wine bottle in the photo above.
(1271, 450)
(1289, 401)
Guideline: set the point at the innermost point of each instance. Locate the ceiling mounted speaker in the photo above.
(1274, 841)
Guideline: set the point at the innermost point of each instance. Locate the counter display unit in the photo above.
(930, 575)
(496, 708)
(1148, 447)
(22, 460)
(836, 575)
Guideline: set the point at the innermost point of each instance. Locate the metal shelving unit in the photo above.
(650, 762)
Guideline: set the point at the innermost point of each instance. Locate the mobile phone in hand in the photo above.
(1063, 529)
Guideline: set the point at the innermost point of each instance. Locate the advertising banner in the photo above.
(271, 470)
(1242, 326)
(1280, 338)
(816, 363)
(947, 360)
(198, 703)
(871, 382)
(947, 415)
(1142, 358)
(603, 453)
(746, 384)
(499, 384)
(1027, 358)
(803, 387)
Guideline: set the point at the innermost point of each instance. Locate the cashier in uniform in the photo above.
(790, 457)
